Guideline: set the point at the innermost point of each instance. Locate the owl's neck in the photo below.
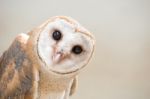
(52, 86)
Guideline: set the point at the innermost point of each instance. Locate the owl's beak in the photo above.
(57, 57)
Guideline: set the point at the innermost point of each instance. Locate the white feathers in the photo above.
(49, 49)
(44, 47)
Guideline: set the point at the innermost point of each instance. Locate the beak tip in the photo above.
(56, 57)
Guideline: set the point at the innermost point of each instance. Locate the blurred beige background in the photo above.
(120, 68)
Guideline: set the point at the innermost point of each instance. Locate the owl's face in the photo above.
(63, 48)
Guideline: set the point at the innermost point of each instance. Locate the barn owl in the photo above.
(45, 63)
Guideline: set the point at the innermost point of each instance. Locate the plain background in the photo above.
(120, 68)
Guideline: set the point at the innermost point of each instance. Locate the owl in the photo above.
(45, 62)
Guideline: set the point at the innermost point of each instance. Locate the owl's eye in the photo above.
(57, 35)
(77, 49)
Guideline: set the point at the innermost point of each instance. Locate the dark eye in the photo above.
(57, 35)
(77, 49)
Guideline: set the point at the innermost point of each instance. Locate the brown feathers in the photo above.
(16, 76)
(28, 69)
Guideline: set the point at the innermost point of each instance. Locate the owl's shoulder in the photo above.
(16, 70)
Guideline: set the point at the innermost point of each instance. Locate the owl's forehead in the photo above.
(61, 24)
(68, 30)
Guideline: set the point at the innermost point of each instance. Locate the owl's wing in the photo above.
(16, 76)
(73, 86)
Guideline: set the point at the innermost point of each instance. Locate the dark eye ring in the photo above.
(57, 35)
(77, 49)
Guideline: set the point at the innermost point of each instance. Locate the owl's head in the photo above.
(63, 45)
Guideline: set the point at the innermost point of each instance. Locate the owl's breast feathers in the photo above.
(16, 76)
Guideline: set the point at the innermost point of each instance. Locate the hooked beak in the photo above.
(57, 57)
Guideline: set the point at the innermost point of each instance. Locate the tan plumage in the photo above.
(38, 66)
